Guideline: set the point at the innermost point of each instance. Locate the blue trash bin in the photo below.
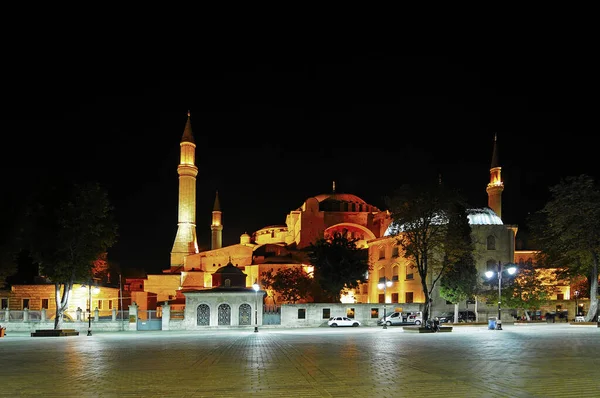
(492, 323)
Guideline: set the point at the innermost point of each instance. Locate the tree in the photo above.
(267, 280)
(459, 281)
(338, 264)
(528, 290)
(10, 213)
(567, 233)
(292, 284)
(420, 222)
(8, 263)
(69, 227)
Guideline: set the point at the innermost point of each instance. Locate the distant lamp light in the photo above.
(384, 284)
(511, 269)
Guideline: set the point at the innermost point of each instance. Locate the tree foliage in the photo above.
(292, 284)
(459, 281)
(68, 228)
(531, 289)
(338, 265)
(567, 232)
(421, 215)
(8, 263)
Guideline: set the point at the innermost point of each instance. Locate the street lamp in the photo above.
(96, 290)
(576, 306)
(256, 288)
(489, 274)
(384, 285)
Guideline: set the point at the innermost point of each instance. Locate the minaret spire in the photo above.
(185, 241)
(496, 186)
(216, 228)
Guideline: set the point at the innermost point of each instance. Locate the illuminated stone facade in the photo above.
(36, 297)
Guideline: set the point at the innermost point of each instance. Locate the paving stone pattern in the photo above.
(551, 360)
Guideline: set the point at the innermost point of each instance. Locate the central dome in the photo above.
(343, 202)
(340, 197)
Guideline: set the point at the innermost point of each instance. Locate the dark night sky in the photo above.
(270, 134)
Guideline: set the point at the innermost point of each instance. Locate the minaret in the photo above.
(185, 240)
(496, 186)
(216, 241)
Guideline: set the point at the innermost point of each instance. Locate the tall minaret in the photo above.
(216, 227)
(496, 186)
(185, 240)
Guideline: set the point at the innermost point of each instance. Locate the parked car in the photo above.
(395, 318)
(342, 321)
(415, 317)
(448, 317)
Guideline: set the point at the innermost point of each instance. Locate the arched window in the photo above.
(224, 312)
(203, 315)
(410, 272)
(381, 274)
(491, 243)
(245, 314)
(491, 265)
(395, 273)
(381, 253)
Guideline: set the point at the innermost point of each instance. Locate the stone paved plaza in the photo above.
(546, 360)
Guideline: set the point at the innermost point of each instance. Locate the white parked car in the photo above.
(415, 317)
(395, 318)
(342, 321)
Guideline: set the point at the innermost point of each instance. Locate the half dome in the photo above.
(478, 216)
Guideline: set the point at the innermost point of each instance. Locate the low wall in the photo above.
(104, 326)
(317, 314)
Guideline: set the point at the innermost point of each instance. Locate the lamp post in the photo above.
(384, 285)
(576, 304)
(89, 286)
(256, 287)
(489, 274)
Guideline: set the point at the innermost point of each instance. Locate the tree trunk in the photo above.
(62, 302)
(592, 315)
(427, 305)
(58, 319)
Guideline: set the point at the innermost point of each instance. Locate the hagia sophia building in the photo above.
(277, 246)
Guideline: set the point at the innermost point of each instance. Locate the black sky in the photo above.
(272, 133)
